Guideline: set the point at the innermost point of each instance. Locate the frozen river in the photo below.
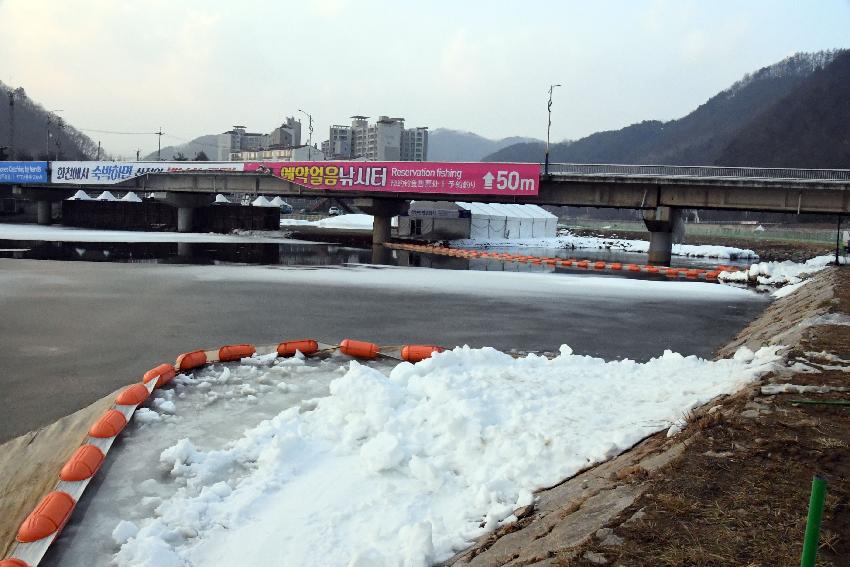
(85, 329)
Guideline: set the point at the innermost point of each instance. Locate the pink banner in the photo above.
(408, 176)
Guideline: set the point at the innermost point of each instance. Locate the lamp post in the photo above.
(310, 138)
(12, 125)
(47, 133)
(549, 127)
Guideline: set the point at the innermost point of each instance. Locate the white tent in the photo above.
(277, 201)
(106, 196)
(221, 199)
(509, 221)
(80, 196)
(261, 202)
(131, 197)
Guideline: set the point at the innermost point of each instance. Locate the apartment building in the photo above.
(385, 140)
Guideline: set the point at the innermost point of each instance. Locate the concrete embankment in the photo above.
(733, 485)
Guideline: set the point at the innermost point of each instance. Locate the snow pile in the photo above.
(131, 197)
(407, 469)
(779, 273)
(80, 196)
(106, 196)
(571, 241)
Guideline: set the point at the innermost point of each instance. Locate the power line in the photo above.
(119, 133)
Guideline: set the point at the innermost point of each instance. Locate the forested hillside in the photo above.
(789, 113)
(24, 126)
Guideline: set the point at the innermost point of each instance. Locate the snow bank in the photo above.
(571, 241)
(779, 273)
(407, 469)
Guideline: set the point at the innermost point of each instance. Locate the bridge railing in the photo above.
(700, 172)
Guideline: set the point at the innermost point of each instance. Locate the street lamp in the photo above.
(310, 138)
(549, 128)
(47, 133)
(12, 125)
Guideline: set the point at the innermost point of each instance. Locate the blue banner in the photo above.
(23, 172)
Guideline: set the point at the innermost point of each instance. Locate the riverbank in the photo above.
(732, 487)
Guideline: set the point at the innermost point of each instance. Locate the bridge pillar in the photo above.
(382, 211)
(185, 219)
(663, 224)
(186, 204)
(44, 211)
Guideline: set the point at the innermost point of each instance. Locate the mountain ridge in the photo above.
(698, 138)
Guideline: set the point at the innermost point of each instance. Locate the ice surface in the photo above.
(478, 283)
(210, 410)
(351, 221)
(68, 234)
(378, 470)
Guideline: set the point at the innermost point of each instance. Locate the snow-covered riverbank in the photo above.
(381, 470)
(571, 241)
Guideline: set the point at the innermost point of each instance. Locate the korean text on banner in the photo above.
(516, 179)
(23, 172)
(111, 172)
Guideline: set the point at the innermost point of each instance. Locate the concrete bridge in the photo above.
(659, 191)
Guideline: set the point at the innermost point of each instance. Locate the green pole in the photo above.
(810, 542)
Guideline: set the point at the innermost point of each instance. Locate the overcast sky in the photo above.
(199, 66)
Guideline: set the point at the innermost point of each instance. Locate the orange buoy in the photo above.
(672, 273)
(164, 372)
(85, 461)
(566, 262)
(599, 265)
(712, 275)
(48, 517)
(616, 266)
(359, 349)
(415, 353)
(190, 360)
(132, 395)
(633, 268)
(652, 269)
(13, 562)
(582, 263)
(305, 346)
(229, 353)
(109, 424)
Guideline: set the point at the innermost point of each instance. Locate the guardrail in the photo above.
(699, 172)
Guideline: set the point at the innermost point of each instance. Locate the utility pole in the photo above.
(137, 154)
(549, 128)
(98, 151)
(310, 137)
(159, 144)
(12, 125)
(47, 133)
(59, 126)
